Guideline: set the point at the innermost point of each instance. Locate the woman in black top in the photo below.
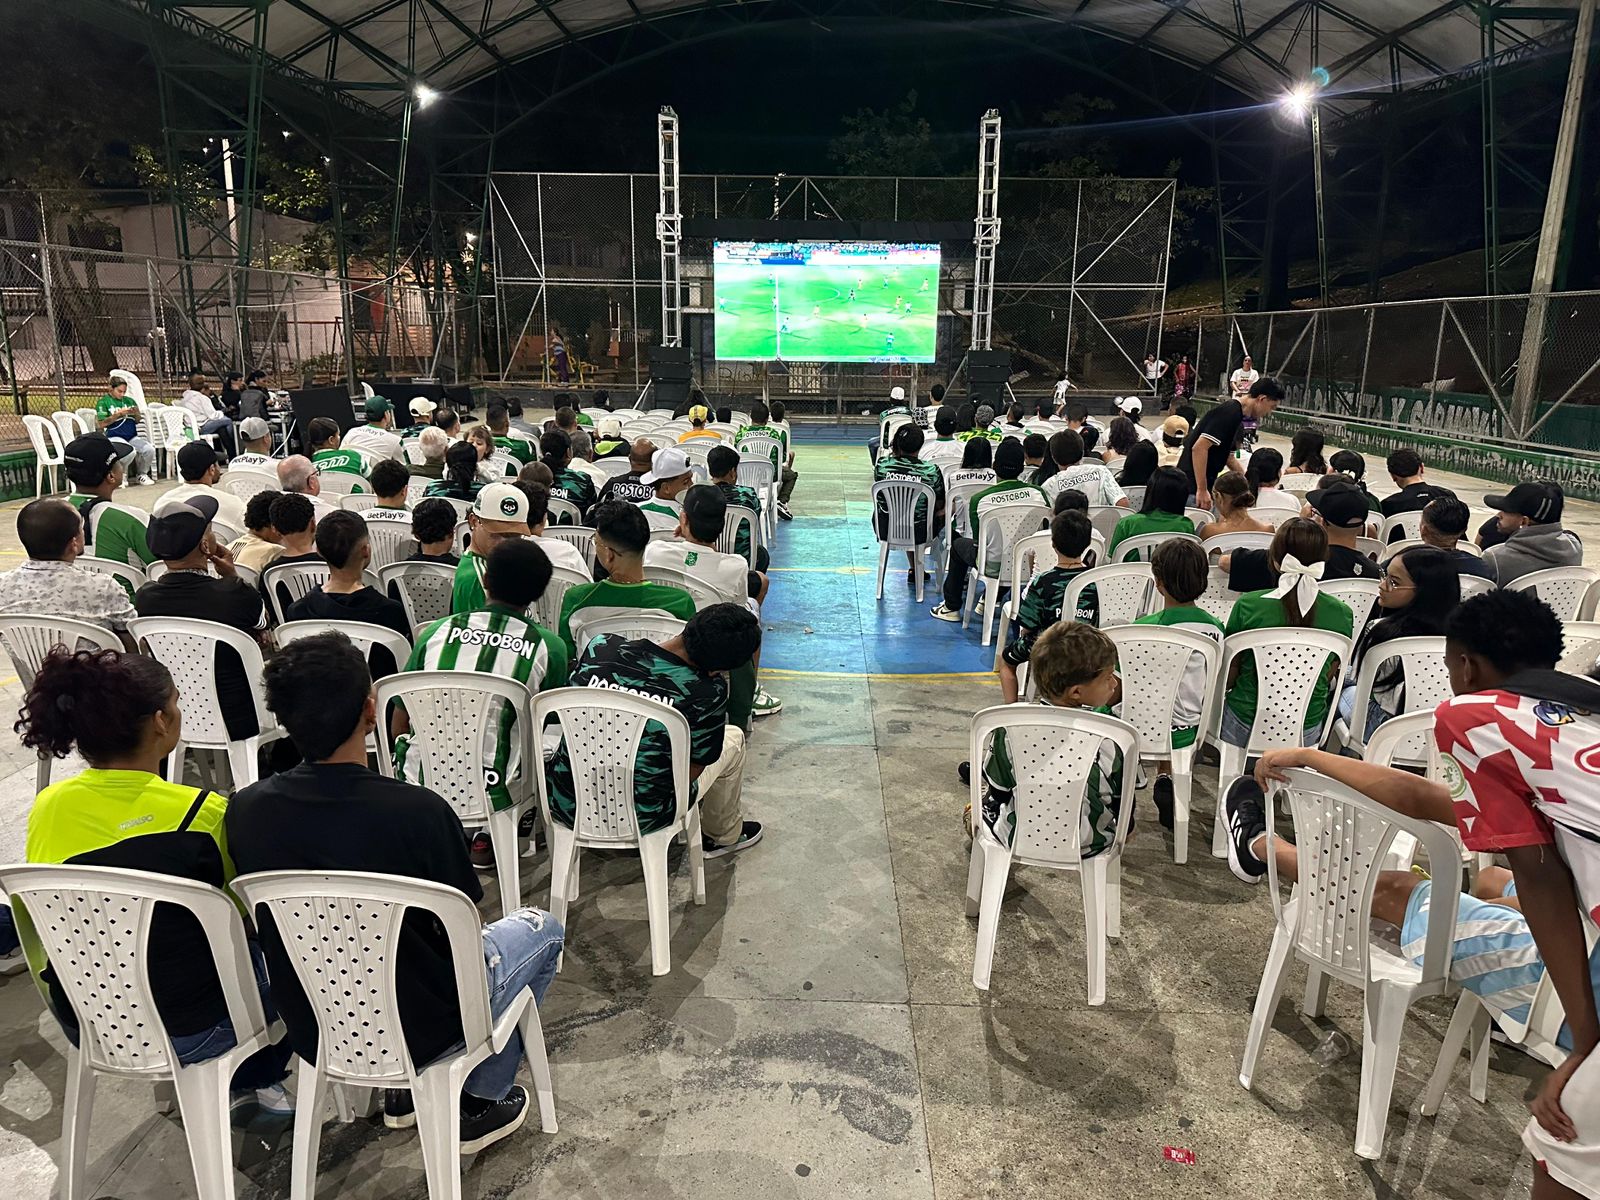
(1419, 590)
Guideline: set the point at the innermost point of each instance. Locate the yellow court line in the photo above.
(881, 677)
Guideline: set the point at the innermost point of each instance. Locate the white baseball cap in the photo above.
(1129, 404)
(421, 406)
(504, 503)
(897, 393)
(666, 464)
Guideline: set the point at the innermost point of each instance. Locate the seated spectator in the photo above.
(1087, 475)
(687, 671)
(1419, 590)
(1233, 499)
(1444, 524)
(537, 472)
(609, 442)
(905, 461)
(296, 522)
(1040, 607)
(725, 414)
(621, 534)
(722, 464)
(630, 487)
(965, 414)
(1501, 647)
(343, 543)
(698, 416)
(261, 544)
(568, 419)
(499, 512)
(482, 440)
(774, 424)
(945, 447)
(1072, 666)
(1181, 570)
(433, 525)
(1122, 437)
(51, 531)
(120, 712)
(1305, 454)
(1416, 493)
(570, 484)
(499, 423)
(389, 480)
(519, 422)
(461, 480)
(1353, 468)
(298, 477)
(977, 464)
(197, 463)
(1530, 517)
(180, 536)
(1078, 418)
(983, 425)
(448, 422)
(1007, 490)
(209, 419)
(1341, 509)
(1131, 407)
(333, 813)
(694, 550)
(1264, 473)
(117, 418)
(499, 639)
(1035, 450)
(1091, 441)
(96, 466)
(670, 475)
(1141, 463)
(377, 438)
(1298, 550)
(421, 410)
(255, 446)
(560, 553)
(1162, 510)
(433, 442)
(329, 453)
(1169, 443)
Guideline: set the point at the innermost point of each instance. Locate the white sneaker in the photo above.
(274, 1100)
(764, 703)
(941, 613)
(13, 963)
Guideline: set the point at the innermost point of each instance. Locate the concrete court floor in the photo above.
(819, 1034)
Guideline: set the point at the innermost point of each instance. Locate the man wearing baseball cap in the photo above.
(1341, 509)
(377, 436)
(669, 477)
(499, 512)
(197, 463)
(97, 466)
(1530, 519)
(421, 409)
(255, 446)
(1169, 446)
(699, 414)
(609, 441)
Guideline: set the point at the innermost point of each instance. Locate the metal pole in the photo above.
(1322, 220)
(46, 275)
(1525, 394)
(1072, 279)
(1161, 316)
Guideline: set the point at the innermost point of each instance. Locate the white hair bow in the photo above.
(1295, 576)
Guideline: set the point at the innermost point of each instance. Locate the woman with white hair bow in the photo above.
(1298, 550)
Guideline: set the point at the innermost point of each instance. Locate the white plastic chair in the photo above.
(1226, 543)
(703, 594)
(366, 636)
(737, 515)
(423, 589)
(1393, 548)
(1564, 589)
(957, 514)
(69, 425)
(999, 530)
(886, 432)
(1300, 483)
(1104, 518)
(581, 536)
(1218, 598)
(1197, 516)
(546, 610)
(454, 715)
(1426, 684)
(895, 503)
(347, 925)
(1124, 591)
(187, 647)
(94, 926)
(245, 482)
(1026, 556)
(760, 472)
(1289, 665)
(49, 452)
(1371, 547)
(1581, 644)
(283, 583)
(1342, 840)
(1362, 597)
(603, 731)
(1133, 495)
(416, 486)
(391, 542)
(563, 512)
(1475, 585)
(132, 578)
(1153, 663)
(658, 627)
(338, 484)
(1140, 548)
(1408, 523)
(88, 418)
(28, 639)
(612, 468)
(1052, 751)
(358, 502)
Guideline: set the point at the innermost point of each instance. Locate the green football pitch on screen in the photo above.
(826, 302)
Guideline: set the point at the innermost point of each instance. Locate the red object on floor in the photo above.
(1178, 1155)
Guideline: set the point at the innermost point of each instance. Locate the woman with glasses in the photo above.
(1418, 590)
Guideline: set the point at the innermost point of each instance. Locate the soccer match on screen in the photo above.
(826, 301)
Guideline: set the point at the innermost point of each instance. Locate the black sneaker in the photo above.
(399, 1112)
(1246, 822)
(485, 1122)
(783, 512)
(964, 770)
(482, 851)
(749, 835)
(1162, 794)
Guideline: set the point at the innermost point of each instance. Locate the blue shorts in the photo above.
(1492, 954)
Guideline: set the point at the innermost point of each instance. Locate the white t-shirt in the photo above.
(940, 452)
(253, 462)
(1091, 478)
(726, 574)
(386, 516)
(1242, 379)
(199, 404)
(369, 439)
(1277, 498)
(230, 509)
(562, 554)
(1153, 370)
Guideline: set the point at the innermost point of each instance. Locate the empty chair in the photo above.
(357, 502)
(1564, 589)
(1475, 585)
(603, 734)
(245, 482)
(1052, 753)
(69, 425)
(737, 515)
(347, 924)
(1125, 592)
(94, 925)
(903, 519)
(1341, 840)
(49, 452)
(28, 639)
(759, 470)
(423, 589)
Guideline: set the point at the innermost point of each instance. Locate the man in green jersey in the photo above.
(97, 465)
(620, 535)
(329, 455)
(117, 417)
(722, 464)
(670, 475)
(499, 422)
(763, 424)
(499, 512)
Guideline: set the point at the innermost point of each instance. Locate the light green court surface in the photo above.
(866, 313)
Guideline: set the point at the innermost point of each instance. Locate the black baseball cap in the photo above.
(1540, 502)
(195, 459)
(177, 526)
(89, 458)
(705, 502)
(1340, 504)
(1009, 456)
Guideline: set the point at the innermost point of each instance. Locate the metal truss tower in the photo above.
(669, 227)
(986, 230)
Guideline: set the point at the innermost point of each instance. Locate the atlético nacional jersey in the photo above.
(494, 641)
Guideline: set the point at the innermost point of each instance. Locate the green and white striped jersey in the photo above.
(114, 531)
(494, 641)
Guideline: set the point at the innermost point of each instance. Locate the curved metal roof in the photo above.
(1259, 47)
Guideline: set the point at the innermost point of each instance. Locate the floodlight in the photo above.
(425, 95)
(1298, 101)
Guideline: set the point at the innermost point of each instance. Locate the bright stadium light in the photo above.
(425, 95)
(1298, 101)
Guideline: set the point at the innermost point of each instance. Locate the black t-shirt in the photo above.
(341, 817)
(1250, 571)
(1220, 428)
(1346, 563)
(369, 605)
(627, 487)
(447, 558)
(228, 602)
(1414, 497)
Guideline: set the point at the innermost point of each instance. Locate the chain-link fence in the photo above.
(1440, 369)
(1081, 277)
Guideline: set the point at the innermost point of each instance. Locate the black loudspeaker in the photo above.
(332, 402)
(671, 374)
(988, 373)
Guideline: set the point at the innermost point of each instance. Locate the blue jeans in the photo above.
(8, 930)
(520, 953)
(1376, 713)
(1237, 733)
